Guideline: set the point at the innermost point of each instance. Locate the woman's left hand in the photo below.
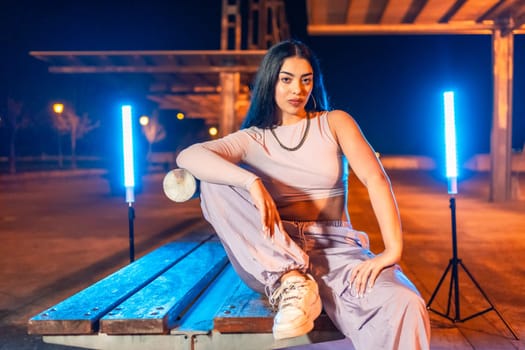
(364, 274)
(270, 218)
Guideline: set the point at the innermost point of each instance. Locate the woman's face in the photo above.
(294, 85)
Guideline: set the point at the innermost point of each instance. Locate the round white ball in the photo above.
(179, 185)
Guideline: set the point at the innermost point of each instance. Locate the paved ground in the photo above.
(59, 235)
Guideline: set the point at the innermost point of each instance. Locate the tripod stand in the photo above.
(452, 267)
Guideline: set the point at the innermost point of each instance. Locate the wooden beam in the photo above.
(452, 11)
(357, 11)
(434, 10)
(240, 53)
(414, 28)
(317, 12)
(516, 21)
(501, 9)
(376, 10)
(472, 10)
(395, 11)
(195, 106)
(501, 135)
(151, 69)
(413, 11)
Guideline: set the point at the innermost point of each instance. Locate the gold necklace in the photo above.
(291, 149)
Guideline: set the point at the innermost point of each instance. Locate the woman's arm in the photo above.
(217, 162)
(368, 169)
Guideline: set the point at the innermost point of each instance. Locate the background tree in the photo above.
(14, 120)
(69, 122)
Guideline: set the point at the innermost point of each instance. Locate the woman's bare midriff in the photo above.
(313, 210)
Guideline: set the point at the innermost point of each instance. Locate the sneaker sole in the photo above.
(304, 328)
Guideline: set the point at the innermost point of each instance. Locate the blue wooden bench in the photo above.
(183, 295)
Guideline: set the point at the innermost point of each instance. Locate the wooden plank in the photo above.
(434, 10)
(199, 319)
(79, 314)
(473, 10)
(156, 308)
(357, 12)
(244, 311)
(395, 11)
(247, 311)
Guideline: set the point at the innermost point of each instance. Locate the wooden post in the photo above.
(501, 135)
(231, 20)
(230, 83)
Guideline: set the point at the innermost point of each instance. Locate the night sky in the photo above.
(392, 85)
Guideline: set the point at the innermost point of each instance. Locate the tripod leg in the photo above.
(492, 307)
(439, 284)
(454, 281)
(455, 277)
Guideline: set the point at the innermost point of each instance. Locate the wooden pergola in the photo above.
(209, 84)
(214, 84)
(501, 19)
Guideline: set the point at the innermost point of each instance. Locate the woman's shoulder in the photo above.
(342, 124)
(337, 113)
(337, 117)
(252, 133)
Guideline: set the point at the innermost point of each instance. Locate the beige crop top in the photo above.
(318, 169)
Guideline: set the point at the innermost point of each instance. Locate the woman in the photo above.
(276, 194)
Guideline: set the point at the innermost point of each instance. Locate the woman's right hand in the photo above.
(264, 202)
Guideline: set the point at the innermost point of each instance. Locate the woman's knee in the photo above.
(403, 293)
(408, 301)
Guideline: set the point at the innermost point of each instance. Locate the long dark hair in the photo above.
(263, 108)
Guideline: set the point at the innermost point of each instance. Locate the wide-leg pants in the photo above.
(392, 315)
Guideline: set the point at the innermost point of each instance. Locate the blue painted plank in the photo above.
(156, 308)
(80, 313)
(244, 311)
(199, 319)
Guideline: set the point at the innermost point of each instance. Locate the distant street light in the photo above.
(58, 108)
(180, 116)
(144, 120)
(213, 131)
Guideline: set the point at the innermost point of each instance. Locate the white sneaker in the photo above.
(299, 306)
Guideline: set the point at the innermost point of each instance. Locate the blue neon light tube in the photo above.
(127, 141)
(450, 142)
